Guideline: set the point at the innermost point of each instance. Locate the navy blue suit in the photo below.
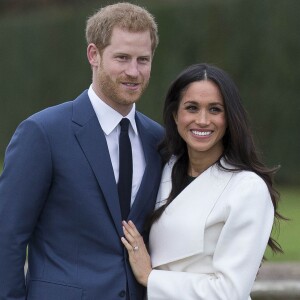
(58, 195)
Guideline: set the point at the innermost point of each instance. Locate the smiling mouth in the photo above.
(201, 133)
(130, 84)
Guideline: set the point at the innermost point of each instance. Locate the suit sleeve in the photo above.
(240, 247)
(24, 184)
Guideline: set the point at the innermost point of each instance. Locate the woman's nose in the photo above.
(202, 119)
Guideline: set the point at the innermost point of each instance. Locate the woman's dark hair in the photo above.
(239, 148)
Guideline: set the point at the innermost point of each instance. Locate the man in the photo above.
(59, 187)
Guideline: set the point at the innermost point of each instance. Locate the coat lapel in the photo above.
(186, 216)
(93, 143)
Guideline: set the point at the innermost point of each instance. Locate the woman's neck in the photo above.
(196, 168)
(201, 162)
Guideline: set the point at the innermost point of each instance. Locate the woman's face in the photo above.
(201, 119)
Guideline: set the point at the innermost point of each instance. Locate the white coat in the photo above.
(210, 240)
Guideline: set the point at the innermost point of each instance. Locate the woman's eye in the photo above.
(215, 109)
(191, 108)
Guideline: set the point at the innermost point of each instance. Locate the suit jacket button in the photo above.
(122, 294)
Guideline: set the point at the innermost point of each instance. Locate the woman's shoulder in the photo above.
(170, 164)
(248, 178)
(167, 170)
(248, 188)
(244, 184)
(240, 175)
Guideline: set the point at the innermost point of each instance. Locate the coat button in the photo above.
(122, 294)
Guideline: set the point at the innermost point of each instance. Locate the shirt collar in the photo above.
(109, 118)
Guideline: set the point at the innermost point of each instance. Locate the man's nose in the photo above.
(132, 69)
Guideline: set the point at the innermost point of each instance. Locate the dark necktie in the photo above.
(125, 169)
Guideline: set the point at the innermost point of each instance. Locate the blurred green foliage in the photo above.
(43, 62)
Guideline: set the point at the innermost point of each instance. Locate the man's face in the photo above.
(123, 71)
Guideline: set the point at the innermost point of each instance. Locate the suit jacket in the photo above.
(210, 240)
(58, 195)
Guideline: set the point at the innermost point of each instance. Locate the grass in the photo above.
(288, 234)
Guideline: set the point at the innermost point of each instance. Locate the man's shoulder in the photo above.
(52, 115)
(56, 112)
(149, 123)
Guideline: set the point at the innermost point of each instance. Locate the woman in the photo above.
(216, 203)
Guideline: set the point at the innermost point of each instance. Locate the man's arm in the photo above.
(24, 185)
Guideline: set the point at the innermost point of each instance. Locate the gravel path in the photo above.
(279, 271)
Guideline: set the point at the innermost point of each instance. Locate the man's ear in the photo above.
(93, 55)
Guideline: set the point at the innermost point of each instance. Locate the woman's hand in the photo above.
(138, 255)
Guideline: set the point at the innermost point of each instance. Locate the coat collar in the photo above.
(186, 215)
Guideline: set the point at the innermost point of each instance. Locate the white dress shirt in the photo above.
(109, 120)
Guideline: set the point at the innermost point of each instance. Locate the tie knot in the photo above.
(124, 123)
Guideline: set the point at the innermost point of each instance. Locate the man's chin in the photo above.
(130, 99)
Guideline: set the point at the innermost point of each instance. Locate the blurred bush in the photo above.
(43, 62)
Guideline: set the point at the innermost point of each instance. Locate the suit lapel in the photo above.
(153, 166)
(93, 143)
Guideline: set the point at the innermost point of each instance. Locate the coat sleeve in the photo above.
(24, 184)
(238, 254)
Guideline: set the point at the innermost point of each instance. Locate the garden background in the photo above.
(43, 63)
